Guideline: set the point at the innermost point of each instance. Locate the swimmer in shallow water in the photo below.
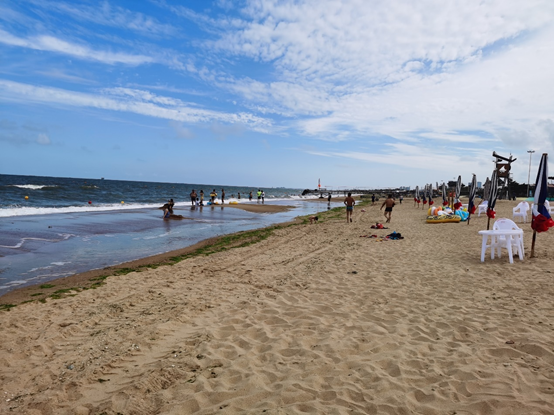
(168, 211)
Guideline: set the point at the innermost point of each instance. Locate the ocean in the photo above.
(52, 227)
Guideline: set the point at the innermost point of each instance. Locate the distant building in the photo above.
(479, 184)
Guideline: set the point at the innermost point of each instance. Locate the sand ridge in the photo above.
(315, 319)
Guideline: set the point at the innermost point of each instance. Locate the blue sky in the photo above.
(274, 92)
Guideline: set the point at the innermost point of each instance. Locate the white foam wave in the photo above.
(33, 186)
(29, 211)
(23, 240)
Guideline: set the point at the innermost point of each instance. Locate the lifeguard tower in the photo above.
(503, 167)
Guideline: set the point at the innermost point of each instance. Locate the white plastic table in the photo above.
(495, 236)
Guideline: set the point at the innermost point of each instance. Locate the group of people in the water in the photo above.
(197, 200)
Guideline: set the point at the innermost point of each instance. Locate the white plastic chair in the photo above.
(520, 211)
(546, 204)
(513, 243)
(482, 207)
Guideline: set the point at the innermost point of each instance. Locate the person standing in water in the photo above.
(250, 197)
(349, 202)
(263, 197)
(222, 196)
(201, 197)
(193, 197)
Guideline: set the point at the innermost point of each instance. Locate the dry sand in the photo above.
(314, 319)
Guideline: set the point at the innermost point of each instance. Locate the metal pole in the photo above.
(529, 175)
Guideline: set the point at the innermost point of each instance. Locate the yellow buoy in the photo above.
(26, 197)
(122, 202)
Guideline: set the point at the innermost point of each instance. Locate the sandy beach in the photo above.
(312, 319)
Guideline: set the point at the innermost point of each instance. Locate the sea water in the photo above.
(55, 231)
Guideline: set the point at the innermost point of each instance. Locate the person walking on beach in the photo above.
(388, 204)
(401, 198)
(222, 196)
(329, 198)
(372, 199)
(263, 197)
(259, 195)
(349, 202)
(250, 197)
(193, 196)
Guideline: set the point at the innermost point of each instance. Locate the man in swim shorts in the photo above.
(349, 202)
(388, 204)
(193, 197)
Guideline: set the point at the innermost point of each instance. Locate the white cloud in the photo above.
(398, 68)
(53, 44)
(181, 131)
(43, 139)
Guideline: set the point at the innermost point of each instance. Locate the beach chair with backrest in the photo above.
(513, 243)
(520, 211)
(482, 207)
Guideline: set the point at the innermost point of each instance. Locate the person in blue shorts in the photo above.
(349, 202)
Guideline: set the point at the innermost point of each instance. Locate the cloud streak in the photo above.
(126, 100)
(52, 44)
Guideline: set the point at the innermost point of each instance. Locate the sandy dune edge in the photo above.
(314, 319)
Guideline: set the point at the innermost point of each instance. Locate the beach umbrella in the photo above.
(457, 203)
(493, 194)
(471, 204)
(541, 221)
(486, 189)
(444, 198)
(430, 187)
